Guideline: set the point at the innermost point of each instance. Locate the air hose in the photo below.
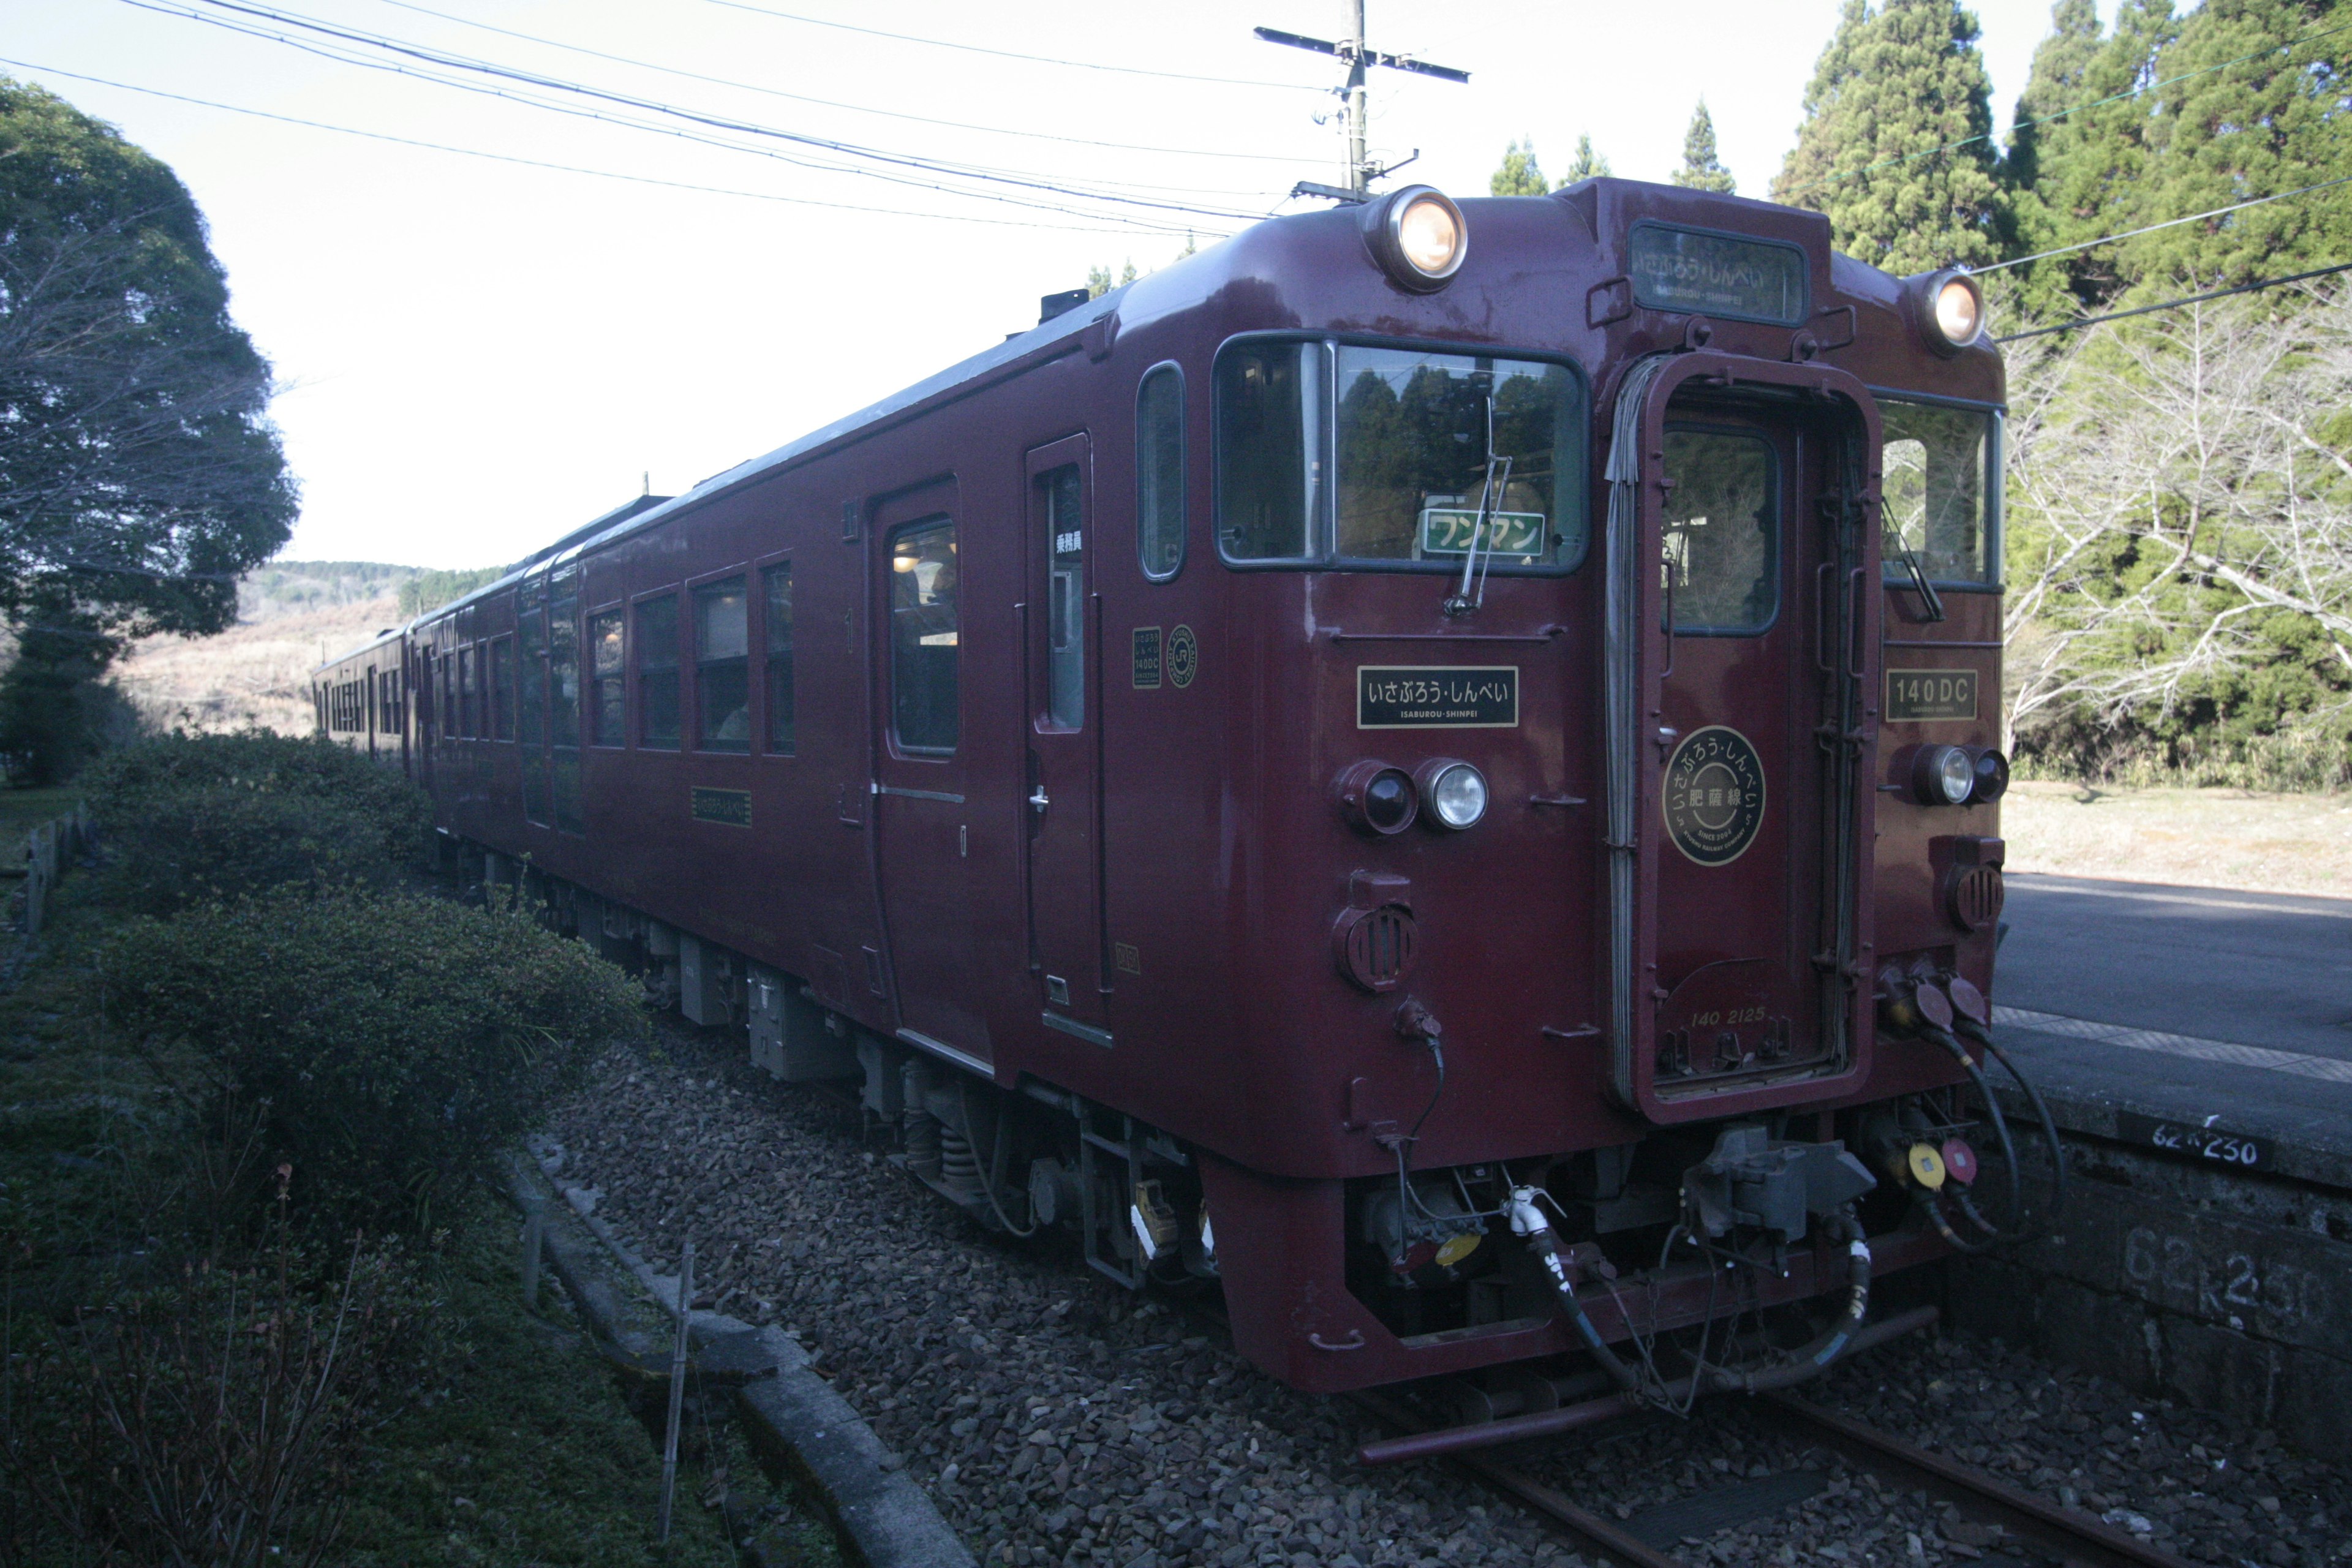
(995, 1174)
(1793, 1366)
(1527, 1220)
(1945, 1038)
(1983, 1037)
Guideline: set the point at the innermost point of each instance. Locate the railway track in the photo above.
(2034, 1525)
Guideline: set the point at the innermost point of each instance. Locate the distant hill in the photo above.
(291, 617)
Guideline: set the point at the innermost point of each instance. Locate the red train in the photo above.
(1433, 763)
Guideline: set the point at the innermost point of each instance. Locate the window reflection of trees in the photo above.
(1718, 550)
(1932, 492)
(1411, 433)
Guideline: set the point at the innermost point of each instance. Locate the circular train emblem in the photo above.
(1714, 795)
(1184, 657)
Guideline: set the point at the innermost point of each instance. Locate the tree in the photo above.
(2059, 114)
(1586, 165)
(1519, 174)
(2247, 103)
(138, 473)
(1897, 143)
(2179, 561)
(1702, 169)
(1100, 282)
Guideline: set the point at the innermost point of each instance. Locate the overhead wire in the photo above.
(394, 68)
(851, 108)
(1010, 55)
(2177, 304)
(2169, 222)
(2063, 113)
(350, 37)
(560, 168)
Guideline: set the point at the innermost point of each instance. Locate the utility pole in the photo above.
(1358, 172)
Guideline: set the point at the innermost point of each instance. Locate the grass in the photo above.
(2207, 837)
(22, 810)
(520, 1449)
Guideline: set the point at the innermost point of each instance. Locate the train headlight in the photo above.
(1943, 776)
(1457, 793)
(1960, 314)
(1949, 308)
(1418, 236)
(1991, 778)
(1377, 798)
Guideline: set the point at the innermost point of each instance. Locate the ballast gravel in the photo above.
(1057, 1419)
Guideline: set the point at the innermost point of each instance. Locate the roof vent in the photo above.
(1052, 305)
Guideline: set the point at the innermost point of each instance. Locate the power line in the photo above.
(560, 168)
(926, 166)
(442, 59)
(1009, 54)
(851, 108)
(2063, 113)
(2176, 304)
(2169, 222)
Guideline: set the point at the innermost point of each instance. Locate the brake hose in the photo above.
(1945, 1038)
(1527, 1220)
(1983, 1037)
(995, 1174)
(1804, 1362)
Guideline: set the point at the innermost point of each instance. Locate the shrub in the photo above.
(400, 1042)
(187, 819)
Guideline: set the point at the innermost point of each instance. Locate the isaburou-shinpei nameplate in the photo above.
(1437, 697)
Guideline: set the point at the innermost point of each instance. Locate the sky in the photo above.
(476, 355)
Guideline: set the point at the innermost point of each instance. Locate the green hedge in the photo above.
(188, 818)
(399, 1043)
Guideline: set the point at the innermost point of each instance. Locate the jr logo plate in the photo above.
(1714, 795)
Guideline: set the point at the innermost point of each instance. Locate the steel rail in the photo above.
(2072, 1537)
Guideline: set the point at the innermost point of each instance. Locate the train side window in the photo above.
(1160, 473)
(469, 685)
(534, 675)
(924, 637)
(608, 704)
(1268, 418)
(657, 704)
(502, 689)
(722, 668)
(1720, 547)
(777, 583)
(1065, 600)
(563, 659)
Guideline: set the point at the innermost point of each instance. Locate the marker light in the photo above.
(1991, 778)
(1942, 775)
(1418, 236)
(1457, 793)
(1378, 798)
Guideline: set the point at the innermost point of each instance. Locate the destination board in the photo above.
(1695, 272)
(1915, 695)
(1440, 697)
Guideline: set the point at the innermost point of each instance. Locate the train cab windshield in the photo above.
(1939, 492)
(1418, 448)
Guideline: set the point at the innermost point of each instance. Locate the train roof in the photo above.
(1592, 206)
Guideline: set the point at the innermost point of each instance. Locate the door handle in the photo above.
(1038, 802)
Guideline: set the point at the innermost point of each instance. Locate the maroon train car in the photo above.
(1431, 764)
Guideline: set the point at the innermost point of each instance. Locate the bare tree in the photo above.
(2175, 483)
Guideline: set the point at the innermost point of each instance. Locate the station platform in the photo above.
(2195, 1047)
(2213, 1025)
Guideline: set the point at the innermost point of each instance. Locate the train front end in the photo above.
(1620, 873)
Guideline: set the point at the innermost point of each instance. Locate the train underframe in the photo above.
(1730, 1254)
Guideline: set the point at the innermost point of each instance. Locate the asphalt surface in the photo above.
(2187, 972)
